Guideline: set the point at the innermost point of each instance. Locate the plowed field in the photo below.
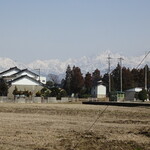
(73, 127)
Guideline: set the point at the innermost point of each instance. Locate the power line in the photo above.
(142, 60)
(99, 115)
(145, 68)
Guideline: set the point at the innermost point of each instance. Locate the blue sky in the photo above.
(62, 29)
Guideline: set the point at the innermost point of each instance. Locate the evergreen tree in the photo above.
(96, 77)
(88, 83)
(77, 81)
(138, 77)
(116, 78)
(67, 81)
(105, 80)
(127, 79)
(141, 81)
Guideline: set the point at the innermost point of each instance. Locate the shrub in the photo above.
(58, 92)
(15, 91)
(38, 94)
(85, 96)
(63, 93)
(3, 87)
(142, 95)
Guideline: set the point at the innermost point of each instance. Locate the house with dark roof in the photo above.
(23, 80)
(26, 72)
(15, 72)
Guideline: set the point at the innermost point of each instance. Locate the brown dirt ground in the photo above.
(66, 127)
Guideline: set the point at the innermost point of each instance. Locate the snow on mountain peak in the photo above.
(87, 64)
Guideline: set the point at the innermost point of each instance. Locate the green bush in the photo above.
(142, 95)
(38, 94)
(45, 92)
(58, 92)
(63, 93)
(85, 96)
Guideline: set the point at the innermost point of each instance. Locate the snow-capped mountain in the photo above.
(87, 64)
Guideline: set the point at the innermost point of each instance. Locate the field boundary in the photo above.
(126, 104)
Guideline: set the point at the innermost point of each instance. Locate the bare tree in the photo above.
(54, 78)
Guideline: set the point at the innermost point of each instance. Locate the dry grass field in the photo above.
(66, 127)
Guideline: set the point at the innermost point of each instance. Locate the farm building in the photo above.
(131, 93)
(99, 91)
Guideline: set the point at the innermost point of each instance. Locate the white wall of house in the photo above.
(42, 79)
(99, 91)
(24, 81)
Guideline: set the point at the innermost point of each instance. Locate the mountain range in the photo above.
(87, 64)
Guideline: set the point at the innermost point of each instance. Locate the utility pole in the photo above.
(109, 58)
(146, 67)
(120, 59)
(146, 71)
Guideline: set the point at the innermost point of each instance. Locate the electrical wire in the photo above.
(142, 60)
(99, 115)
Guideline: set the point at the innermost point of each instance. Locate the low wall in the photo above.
(3, 99)
(52, 100)
(20, 100)
(64, 100)
(37, 100)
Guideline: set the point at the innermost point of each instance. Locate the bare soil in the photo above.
(71, 127)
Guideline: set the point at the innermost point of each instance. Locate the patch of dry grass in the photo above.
(65, 127)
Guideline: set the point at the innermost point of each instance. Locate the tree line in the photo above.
(80, 85)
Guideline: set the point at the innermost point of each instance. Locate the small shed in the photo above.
(99, 91)
(131, 94)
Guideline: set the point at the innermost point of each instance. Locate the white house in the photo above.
(15, 72)
(24, 83)
(23, 80)
(99, 91)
